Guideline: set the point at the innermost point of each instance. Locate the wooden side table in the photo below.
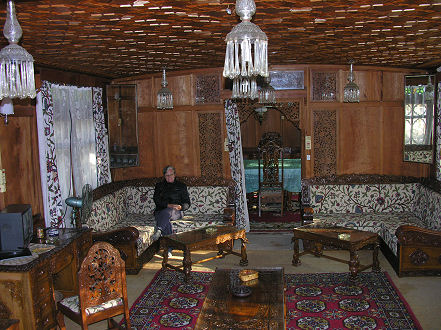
(321, 234)
(221, 236)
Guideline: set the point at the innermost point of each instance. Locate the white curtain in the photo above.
(74, 140)
(67, 144)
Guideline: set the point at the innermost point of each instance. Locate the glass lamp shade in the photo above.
(16, 64)
(165, 96)
(247, 46)
(351, 92)
(6, 108)
(244, 88)
(267, 94)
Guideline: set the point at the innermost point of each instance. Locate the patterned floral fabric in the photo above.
(362, 198)
(207, 200)
(236, 164)
(102, 144)
(140, 200)
(204, 199)
(108, 211)
(73, 303)
(428, 207)
(54, 214)
(438, 134)
(134, 206)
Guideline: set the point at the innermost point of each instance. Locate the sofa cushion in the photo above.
(107, 211)
(190, 222)
(363, 198)
(207, 199)
(140, 200)
(384, 224)
(428, 207)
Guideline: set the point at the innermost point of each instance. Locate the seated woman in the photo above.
(171, 199)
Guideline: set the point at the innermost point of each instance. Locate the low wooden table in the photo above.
(263, 309)
(321, 234)
(202, 238)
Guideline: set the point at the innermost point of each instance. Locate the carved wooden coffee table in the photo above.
(221, 236)
(264, 308)
(322, 234)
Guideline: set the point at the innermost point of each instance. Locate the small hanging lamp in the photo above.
(351, 92)
(267, 94)
(165, 96)
(16, 64)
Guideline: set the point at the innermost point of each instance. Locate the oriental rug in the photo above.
(313, 301)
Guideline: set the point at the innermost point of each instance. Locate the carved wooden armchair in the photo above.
(102, 290)
(271, 192)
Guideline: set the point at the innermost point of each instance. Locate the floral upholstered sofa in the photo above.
(406, 215)
(122, 214)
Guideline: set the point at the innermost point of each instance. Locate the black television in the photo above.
(16, 230)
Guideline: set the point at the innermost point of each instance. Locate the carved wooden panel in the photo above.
(207, 89)
(210, 144)
(324, 86)
(291, 111)
(287, 79)
(325, 145)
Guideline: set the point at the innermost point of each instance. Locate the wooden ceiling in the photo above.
(122, 38)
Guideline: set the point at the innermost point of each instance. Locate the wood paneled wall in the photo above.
(20, 159)
(368, 135)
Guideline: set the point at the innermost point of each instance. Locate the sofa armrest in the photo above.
(230, 215)
(414, 235)
(117, 236)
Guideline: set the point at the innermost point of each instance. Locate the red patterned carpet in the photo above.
(313, 301)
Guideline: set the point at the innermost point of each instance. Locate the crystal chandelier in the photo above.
(165, 97)
(246, 56)
(16, 64)
(351, 92)
(244, 88)
(267, 94)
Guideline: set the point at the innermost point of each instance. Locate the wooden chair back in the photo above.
(270, 160)
(271, 167)
(102, 279)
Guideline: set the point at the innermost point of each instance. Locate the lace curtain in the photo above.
(418, 116)
(69, 138)
(236, 164)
